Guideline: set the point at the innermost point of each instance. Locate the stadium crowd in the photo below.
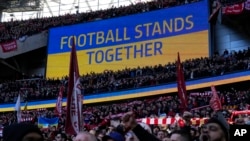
(16, 29)
(101, 119)
(112, 122)
(130, 78)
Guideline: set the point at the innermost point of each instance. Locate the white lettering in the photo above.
(240, 132)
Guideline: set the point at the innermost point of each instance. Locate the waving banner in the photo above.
(74, 97)
(9, 46)
(233, 9)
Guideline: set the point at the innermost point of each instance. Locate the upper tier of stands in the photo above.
(130, 78)
(15, 29)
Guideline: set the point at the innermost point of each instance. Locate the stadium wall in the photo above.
(27, 44)
(231, 39)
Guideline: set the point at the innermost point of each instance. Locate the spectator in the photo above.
(85, 136)
(60, 137)
(131, 124)
(109, 81)
(22, 132)
(21, 29)
(117, 136)
(180, 135)
(160, 135)
(216, 129)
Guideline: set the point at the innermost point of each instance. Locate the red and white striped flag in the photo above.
(74, 97)
(58, 109)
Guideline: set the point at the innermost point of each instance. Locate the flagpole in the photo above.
(18, 109)
(181, 85)
(74, 97)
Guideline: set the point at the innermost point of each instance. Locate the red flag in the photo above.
(181, 84)
(215, 102)
(58, 109)
(74, 96)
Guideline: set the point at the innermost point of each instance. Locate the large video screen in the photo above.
(144, 39)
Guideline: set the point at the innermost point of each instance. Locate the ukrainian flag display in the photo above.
(47, 122)
(144, 39)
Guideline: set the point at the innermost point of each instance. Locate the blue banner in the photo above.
(152, 25)
(144, 39)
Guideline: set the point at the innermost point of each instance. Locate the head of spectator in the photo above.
(216, 129)
(172, 127)
(22, 132)
(247, 120)
(187, 117)
(99, 136)
(60, 137)
(166, 139)
(129, 122)
(110, 129)
(93, 132)
(53, 128)
(180, 135)
(239, 121)
(160, 135)
(107, 138)
(156, 129)
(85, 136)
(120, 129)
(194, 133)
(117, 136)
(147, 128)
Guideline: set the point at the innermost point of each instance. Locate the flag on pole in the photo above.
(74, 96)
(181, 84)
(214, 16)
(26, 106)
(215, 102)
(58, 109)
(18, 109)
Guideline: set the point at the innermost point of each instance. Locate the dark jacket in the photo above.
(144, 135)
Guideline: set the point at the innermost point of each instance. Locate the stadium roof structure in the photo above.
(20, 5)
(28, 9)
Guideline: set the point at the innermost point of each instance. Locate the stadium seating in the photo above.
(16, 29)
(130, 78)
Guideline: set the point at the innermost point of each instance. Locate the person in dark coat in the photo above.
(22, 132)
(130, 123)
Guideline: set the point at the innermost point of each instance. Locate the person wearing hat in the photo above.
(187, 121)
(216, 129)
(117, 136)
(22, 132)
